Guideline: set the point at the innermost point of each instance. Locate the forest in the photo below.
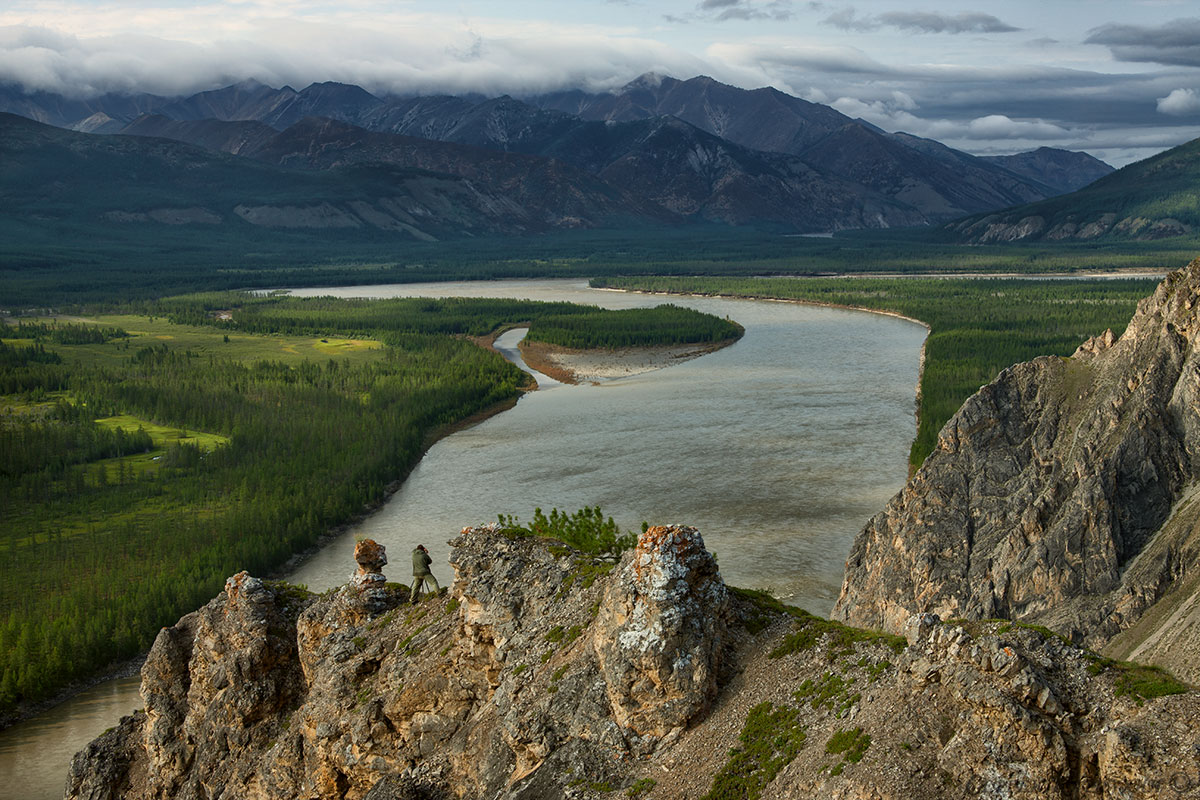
(633, 327)
(977, 326)
(148, 456)
(60, 267)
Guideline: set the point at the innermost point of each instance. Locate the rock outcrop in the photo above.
(659, 633)
(1054, 494)
(501, 689)
(546, 673)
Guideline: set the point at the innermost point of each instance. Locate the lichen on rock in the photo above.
(660, 631)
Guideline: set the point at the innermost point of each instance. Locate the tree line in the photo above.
(634, 327)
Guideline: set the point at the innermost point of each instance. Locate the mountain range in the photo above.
(1151, 199)
(658, 150)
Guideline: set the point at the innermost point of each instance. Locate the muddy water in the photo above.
(778, 448)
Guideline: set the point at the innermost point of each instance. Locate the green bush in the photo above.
(586, 530)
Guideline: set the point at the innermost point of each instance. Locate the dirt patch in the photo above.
(597, 366)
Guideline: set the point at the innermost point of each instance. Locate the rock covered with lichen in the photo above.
(496, 691)
(660, 632)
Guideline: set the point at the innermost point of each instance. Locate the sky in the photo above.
(1120, 80)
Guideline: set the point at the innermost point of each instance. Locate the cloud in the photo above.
(724, 10)
(830, 59)
(920, 22)
(894, 113)
(1180, 102)
(1176, 43)
(466, 58)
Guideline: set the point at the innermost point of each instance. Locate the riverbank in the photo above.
(573, 366)
(132, 666)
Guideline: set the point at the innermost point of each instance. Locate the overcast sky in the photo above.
(1119, 79)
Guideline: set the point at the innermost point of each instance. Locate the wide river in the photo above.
(778, 448)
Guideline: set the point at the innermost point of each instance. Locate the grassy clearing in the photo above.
(212, 341)
(164, 435)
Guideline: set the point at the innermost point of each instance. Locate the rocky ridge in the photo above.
(548, 673)
(1060, 493)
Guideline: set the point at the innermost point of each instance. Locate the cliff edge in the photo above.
(548, 673)
(1062, 493)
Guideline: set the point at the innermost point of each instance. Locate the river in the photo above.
(778, 448)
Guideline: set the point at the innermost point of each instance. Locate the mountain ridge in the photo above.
(56, 174)
(1150, 199)
(905, 185)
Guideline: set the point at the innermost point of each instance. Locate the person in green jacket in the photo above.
(421, 573)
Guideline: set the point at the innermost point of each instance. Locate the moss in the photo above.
(1042, 629)
(1138, 681)
(640, 787)
(769, 741)
(290, 594)
(831, 692)
(558, 674)
(546, 656)
(382, 622)
(555, 635)
(519, 668)
(850, 744)
(452, 605)
(584, 572)
(839, 639)
(874, 669)
(407, 640)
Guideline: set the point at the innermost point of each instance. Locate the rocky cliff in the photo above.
(1061, 493)
(548, 673)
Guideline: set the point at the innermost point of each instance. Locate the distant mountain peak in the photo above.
(648, 80)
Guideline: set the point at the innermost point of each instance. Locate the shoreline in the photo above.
(595, 366)
(132, 666)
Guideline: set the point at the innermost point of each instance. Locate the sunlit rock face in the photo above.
(1049, 494)
(660, 631)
